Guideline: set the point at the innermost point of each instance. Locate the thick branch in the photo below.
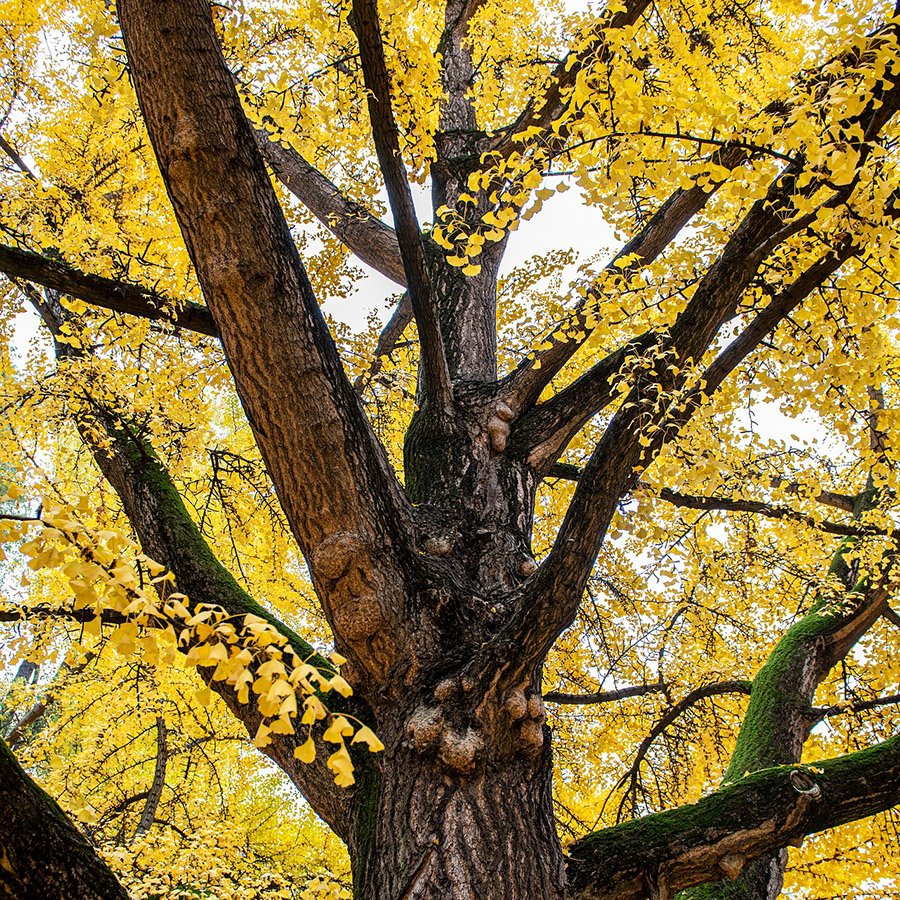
(436, 375)
(780, 714)
(118, 296)
(351, 223)
(552, 599)
(616, 462)
(43, 854)
(330, 473)
(761, 813)
(45, 611)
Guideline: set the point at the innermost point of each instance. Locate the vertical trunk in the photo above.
(424, 832)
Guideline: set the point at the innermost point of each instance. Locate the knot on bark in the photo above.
(517, 721)
(457, 747)
(803, 783)
(358, 617)
(438, 545)
(498, 426)
(344, 564)
(732, 864)
(332, 557)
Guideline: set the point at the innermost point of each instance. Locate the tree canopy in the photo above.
(563, 575)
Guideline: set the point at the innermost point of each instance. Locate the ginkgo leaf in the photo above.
(365, 735)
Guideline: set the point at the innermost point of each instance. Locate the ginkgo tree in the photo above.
(528, 594)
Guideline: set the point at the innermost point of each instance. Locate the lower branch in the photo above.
(721, 833)
(42, 854)
(154, 795)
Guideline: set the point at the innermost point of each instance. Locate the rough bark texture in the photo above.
(428, 832)
(431, 589)
(43, 856)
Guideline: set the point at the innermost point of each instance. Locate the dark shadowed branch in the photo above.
(637, 690)
(436, 375)
(44, 855)
(118, 296)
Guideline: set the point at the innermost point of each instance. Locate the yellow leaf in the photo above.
(365, 735)
(306, 752)
(338, 730)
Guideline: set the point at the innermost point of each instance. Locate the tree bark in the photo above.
(429, 588)
(42, 854)
(425, 833)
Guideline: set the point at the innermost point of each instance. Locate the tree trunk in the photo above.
(425, 833)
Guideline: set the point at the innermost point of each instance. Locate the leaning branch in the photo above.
(717, 836)
(387, 342)
(118, 296)
(351, 223)
(365, 23)
(154, 795)
(169, 535)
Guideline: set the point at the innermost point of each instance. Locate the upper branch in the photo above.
(330, 473)
(553, 596)
(525, 384)
(704, 841)
(844, 502)
(542, 112)
(118, 296)
(366, 26)
(351, 223)
(758, 507)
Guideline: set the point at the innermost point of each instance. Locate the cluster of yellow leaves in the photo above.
(229, 824)
(103, 570)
